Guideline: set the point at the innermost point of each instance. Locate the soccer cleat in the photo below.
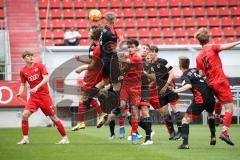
(134, 139)
(24, 141)
(121, 132)
(213, 141)
(129, 138)
(112, 137)
(63, 141)
(147, 142)
(102, 119)
(226, 139)
(172, 135)
(80, 125)
(139, 136)
(184, 146)
(177, 136)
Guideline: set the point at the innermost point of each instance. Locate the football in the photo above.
(95, 15)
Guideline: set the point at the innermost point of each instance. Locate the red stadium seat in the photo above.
(193, 41)
(186, 3)
(82, 23)
(56, 13)
(162, 3)
(227, 21)
(1, 14)
(128, 12)
(180, 32)
(170, 41)
(216, 32)
(156, 32)
(117, 11)
(238, 31)
(187, 12)
(55, 4)
(126, 3)
(131, 33)
(103, 3)
(58, 42)
(114, 3)
(219, 40)
(1, 4)
(190, 22)
(214, 22)
(78, 3)
(173, 3)
(69, 23)
(68, 13)
(67, 4)
(209, 3)
(129, 23)
(197, 3)
(43, 13)
(182, 41)
(58, 33)
(119, 23)
(80, 13)
(140, 12)
(178, 22)
(223, 11)
(166, 22)
(42, 3)
(57, 23)
(138, 3)
(231, 39)
(46, 34)
(84, 42)
(221, 3)
(176, 12)
(235, 11)
(158, 41)
(90, 4)
(104, 10)
(236, 21)
(211, 11)
(199, 11)
(120, 31)
(145, 41)
(191, 32)
(152, 12)
(153, 22)
(143, 32)
(228, 32)
(167, 32)
(150, 3)
(202, 22)
(47, 42)
(84, 33)
(44, 23)
(233, 2)
(142, 22)
(163, 12)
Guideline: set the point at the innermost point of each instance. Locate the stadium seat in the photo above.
(129, 23)
(128, 12)
(78, 3)
(180, 32)
(90, 4)
(166, 22)
(142, 22)
(46, 34)
(190, 22)
(140, 12)
(126, 3)
(57, 23)
(173, 3)
(197, 3)
(170, 41)
(219, 40)
(199, 12)
(168, 32)
(186, 3)
(216, 32)
(221, 3)
(1, 14)
(58, 42)
(202, 22)
(131, 33)
(211, 11)
(120, 31)
(145, 41)
(153, 22)
(82, 23)
(176, 12)
(150, 3)
(56, 13)
(214, 22)
(238, 31)
(231, 39)
(44, 23)
(187, 12)
(58, 33)
(233, 3)
(118, 12)
(226, 21)
(104, 10)
(67, 4)
(191, 32)
(69, 23)
(68, 13)
(42, 3)
(143, 33)
(103, 3)
(163, 12)
(235, 11)
(182, 41)
(138, 3)
(119, 23)
(84, 33)
(209, 3)
(162, 3)
(157, 41)
(228, 32)
(156, 32)
(193, 41)
(80, 13)
(55, 4)
(84, 42)
(43, 13)
(178, 22)
(152, 12)
(1, 4)
(114, 3)
(47, 42)
(223, 11)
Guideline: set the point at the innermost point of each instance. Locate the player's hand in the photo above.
(18, 95)
(163, 90)
(34, 90)
(77, 58)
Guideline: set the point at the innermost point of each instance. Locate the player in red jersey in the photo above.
(37, 77)
(209, 65)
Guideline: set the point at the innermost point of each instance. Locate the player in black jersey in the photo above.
(203, 100)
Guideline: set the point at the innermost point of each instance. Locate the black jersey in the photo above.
(202, 94)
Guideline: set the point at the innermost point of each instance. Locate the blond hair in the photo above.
(202, 36)
(110, 17)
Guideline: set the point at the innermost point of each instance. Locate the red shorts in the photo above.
(222, 91)
(154, 100)
(131, 94)
(44, 102)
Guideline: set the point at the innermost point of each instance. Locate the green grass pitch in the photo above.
(93, 144)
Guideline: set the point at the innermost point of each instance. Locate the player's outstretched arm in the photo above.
(21, 90)
(183, 88)
(229, 45)
(85, 61)
(81, 68)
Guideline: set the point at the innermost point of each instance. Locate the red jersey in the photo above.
(134, 74)
(209, 62)
(92, 77)
(34, 76)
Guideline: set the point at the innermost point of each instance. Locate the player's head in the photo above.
(96, 33)
(28, 57)
(202, 36)
(183, 62)
(154, 52)
(110, 18)
(145, 48)
(91, 28)
(132, 45)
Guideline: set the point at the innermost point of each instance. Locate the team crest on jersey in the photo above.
(36, 70)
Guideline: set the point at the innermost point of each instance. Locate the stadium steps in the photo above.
(22, 26)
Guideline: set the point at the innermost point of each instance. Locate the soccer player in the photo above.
(203, 100)
(209, 65)
(91, 78)
(37, 77)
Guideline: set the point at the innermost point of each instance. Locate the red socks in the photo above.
(227, 122)
(96, 106)
(25, 127)
(81, 112)
(218, 108)
(60, 128)
(134, 125)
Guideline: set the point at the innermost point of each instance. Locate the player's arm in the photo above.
(85, 61)
(183, 88)
(151, 76)
(92, 65)
(81, 68)
(229, 45)
(21, 89)
(43, 82)
(170, 78)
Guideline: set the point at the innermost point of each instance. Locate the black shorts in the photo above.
(195, 110)
(171, 97)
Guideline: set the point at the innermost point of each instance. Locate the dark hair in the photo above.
(154, 49)
(184, 62)
(96, 33)
(94, 27)
(25, 53)
(132, 41)
(146, 44)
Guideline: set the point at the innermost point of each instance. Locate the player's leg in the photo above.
(102, 116)
(112, 129)
(211, 124)
(25, 127)
(121, 127)
(81, 113)
(218, 110)
(134, 123)
(185, 132)
(146, 123)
